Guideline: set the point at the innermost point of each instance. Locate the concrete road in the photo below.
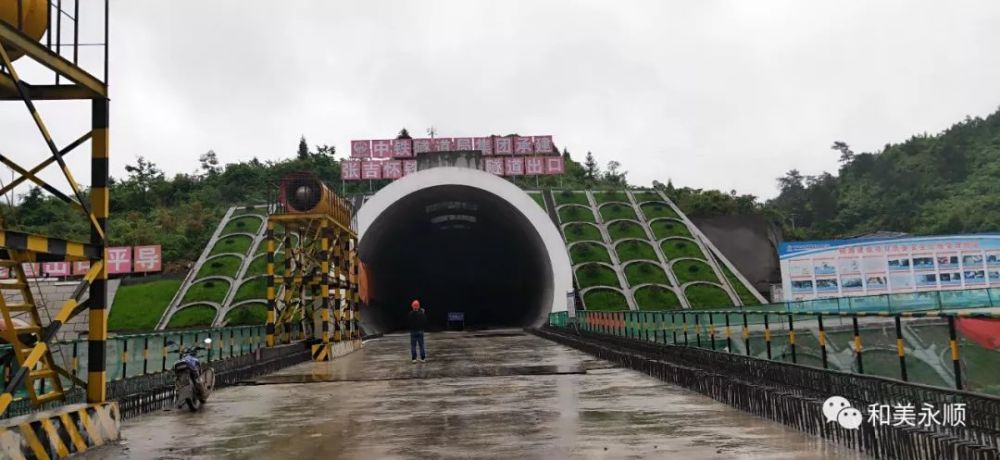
(484, 395)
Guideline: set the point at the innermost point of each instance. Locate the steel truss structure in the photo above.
(25, 330)
(319, 283)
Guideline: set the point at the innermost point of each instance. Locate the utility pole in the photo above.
(431, 132)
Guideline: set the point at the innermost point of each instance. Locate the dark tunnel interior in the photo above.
(456, 249)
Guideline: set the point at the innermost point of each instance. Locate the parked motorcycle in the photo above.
(193, 381)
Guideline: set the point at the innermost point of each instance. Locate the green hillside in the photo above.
(929, 184)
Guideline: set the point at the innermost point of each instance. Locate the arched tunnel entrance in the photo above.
(460, 240)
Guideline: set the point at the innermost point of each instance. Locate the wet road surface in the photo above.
(483, 395)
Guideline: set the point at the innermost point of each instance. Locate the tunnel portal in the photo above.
(459, 247)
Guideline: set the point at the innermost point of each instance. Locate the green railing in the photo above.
(899, 302)
(131, 355)
(947, 349)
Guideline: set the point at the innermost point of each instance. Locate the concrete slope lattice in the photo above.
(227, 274)
(637, 250)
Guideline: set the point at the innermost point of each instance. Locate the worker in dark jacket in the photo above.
(417, 321)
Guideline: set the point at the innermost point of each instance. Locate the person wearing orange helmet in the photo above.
(417, 321)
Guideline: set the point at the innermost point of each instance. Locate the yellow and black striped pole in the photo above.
(338, 293)
(324, 291)
(900, 349)
(767, 336)
(697, 330)
(711, 331)
(355, 291)
(955, 361)
(673, 329)
(857, 344)
(729, 335)
(685, 325)
(791, 335)
(746, 334)
(272, 303)
(822, 340)
(97, 327)
(287, 279)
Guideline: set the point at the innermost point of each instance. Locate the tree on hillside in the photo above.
(303, 148)
(143, 173)
(791, 181)
(590, 167)
(846, 154)
(209, 163)
(327, 150)
(614, 175)
(403, 134)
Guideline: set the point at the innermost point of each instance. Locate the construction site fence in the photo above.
(956, 350)
(135, 355)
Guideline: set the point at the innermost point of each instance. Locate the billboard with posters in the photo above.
(869, 266)
(503, 156)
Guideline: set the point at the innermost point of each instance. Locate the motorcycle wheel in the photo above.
(192, 404)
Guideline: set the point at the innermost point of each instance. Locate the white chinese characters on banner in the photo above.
(534, 166)
(503, 146)
(554, 165)
(148, 259)
(392, 169)
(421, 145)
(442, 144)
(382, 148)
(464, 143)
(514, 166)
(536, 155)
(350, 170)
(361, 149)
(409, 167)
(56, 268)
(495, 166)
(119, 260)
(543, 144)
(523, 146)
(402, 148)
(484, 145)
(371, 170)
(81, 267)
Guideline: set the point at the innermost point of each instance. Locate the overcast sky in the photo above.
(710, 94)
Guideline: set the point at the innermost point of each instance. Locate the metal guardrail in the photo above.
(927, 347)
(147, 354)
(893, 303)
(794, 394)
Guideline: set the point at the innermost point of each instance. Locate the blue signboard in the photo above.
(456, 316)
(871, 266)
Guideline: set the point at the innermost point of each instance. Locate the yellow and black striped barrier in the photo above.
(60, 432)
(48, 249)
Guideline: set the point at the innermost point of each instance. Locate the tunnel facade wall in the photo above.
(556, 271)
